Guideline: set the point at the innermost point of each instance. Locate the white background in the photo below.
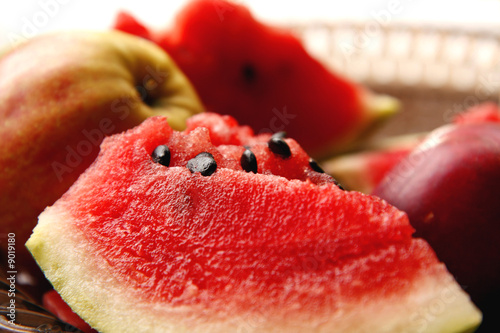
(24, 18)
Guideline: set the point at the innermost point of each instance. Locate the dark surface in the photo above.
(29, 316)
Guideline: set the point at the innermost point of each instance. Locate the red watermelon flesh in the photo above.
(155, 248)
(53, 302)
(127, 23)
(263, 76)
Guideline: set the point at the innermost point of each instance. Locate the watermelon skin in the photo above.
(264, 77)
(149, 248)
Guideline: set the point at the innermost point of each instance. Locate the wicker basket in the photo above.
(435, 71)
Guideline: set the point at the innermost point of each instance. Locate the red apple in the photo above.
(450, 188)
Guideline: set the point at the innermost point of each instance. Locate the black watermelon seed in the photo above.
(248, 161)
(279, 146)
(249, 72)
(161, 155)
(338, 184)
(315, 166)
(203, 163)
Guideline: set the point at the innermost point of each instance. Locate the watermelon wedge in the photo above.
(364, 169)
(265, 77)
(215, 229)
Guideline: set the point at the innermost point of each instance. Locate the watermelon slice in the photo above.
(264, 76)
(362, 170)
(216, 230)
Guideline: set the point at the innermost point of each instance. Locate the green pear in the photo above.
(60, 95)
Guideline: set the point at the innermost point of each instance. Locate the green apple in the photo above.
(60, 94)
